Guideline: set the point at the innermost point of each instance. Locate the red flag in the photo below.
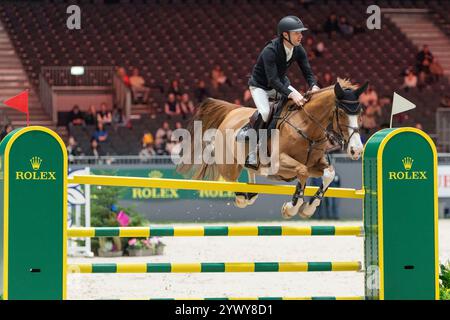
(19, 102)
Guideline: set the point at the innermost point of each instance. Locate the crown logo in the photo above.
(407, 163)
(155, 174)
(36, 163)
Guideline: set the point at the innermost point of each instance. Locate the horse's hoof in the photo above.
(288, 210)
(307, 210)
(252, 200)
(240, 202)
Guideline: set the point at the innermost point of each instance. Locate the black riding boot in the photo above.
(252, 157)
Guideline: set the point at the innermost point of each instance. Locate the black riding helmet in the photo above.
(290, 23)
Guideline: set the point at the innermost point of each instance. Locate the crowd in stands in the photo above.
(181, 104)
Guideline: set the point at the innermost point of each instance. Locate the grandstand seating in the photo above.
(183, 40)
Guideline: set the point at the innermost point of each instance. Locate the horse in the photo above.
(329, 117)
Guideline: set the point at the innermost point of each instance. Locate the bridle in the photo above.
(335, 138)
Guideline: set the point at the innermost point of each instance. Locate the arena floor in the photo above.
(238, 249)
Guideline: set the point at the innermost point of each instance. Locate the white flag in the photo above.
(400, 104)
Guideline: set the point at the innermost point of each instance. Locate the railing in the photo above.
(92, 76)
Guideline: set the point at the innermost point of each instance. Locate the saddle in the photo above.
(276, 107)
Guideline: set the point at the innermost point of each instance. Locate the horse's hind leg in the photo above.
(308, 208)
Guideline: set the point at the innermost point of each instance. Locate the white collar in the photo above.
(287, 49)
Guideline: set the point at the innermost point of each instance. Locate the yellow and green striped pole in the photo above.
(212, 231)
(207, 267)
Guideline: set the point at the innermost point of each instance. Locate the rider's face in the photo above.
(296, 37)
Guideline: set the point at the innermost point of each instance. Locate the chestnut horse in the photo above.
(329, 115)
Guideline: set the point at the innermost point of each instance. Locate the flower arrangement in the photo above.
(149, 246)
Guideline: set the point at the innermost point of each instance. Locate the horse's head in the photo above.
(345, 121)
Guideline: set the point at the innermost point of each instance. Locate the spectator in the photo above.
(201, 92)
(118, 118)
(147, 152)
(138, 86)
(73, 150)
(7, 129)
(104, 116)
(173, 145)
(419, 126)
(95, 150)
(409, 81)
(424, 54)
(147, 138)
(445, 101)
(436, 70)
(345, 27)
(327, 80)
(247, 99)
(123, 75)
(320, 49)
(186, 106)
(331, 26)
(309, 47)
(160, 147)
(218, 77)
(100, 133)
(370, 97)
(175, 89)
(172, 107)
(75, 118)
(91, 116)
(237, 101)
(164, 133)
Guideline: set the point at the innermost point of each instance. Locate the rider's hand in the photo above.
(297, 97)
(315, 88)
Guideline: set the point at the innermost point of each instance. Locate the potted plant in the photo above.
(158, 245)
(140, 247)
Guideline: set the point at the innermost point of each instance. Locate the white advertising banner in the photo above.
(444, 181)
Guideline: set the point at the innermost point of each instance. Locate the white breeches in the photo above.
(261, 98)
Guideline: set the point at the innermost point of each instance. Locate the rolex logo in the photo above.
(407, 163)
(36, 163)
(407, 174)
(35, 174)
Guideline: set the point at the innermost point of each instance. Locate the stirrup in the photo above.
(242, 133)
(250, 165)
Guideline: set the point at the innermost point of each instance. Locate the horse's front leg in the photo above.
(290, 209)
(308, 208)
(244, 199)
(290, 166)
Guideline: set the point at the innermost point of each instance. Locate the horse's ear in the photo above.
(361, 89)
(338, 91)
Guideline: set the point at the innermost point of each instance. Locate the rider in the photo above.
(269, 76)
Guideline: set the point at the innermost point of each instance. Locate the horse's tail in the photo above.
(211, 113)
